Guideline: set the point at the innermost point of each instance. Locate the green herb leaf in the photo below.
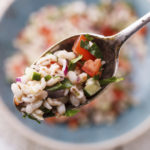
(31, 117)
(89, 38)
(94, 50)
(88, 76)
(73, 62)
(85, 44)
(96, 77)
(36, 76)
(71, 66)
(71, 112)
(55, 87)
(110, 80)
(65, 84)
(47, 112)
(48, 77)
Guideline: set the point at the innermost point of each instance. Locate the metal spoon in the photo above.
(110, 46)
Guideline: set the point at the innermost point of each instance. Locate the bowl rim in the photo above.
(47, 142)
(59, 145)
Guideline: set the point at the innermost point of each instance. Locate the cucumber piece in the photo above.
(92, 87)
(48, 77)
(36, 76)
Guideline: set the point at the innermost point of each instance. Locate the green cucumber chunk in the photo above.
(36, 76)
(92, 87)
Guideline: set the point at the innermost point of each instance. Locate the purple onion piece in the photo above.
(18, 79)
(66, 71)
(56, 94)
(65, 68)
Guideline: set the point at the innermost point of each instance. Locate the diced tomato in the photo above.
(143, 31)
(19, 66)
(47, 34)
(81, 51)
(44, 31)
(107, 31)
(19, 71)
(49, 41)
(92, 67)
(79, 64)
(118, 94)
(75, 20)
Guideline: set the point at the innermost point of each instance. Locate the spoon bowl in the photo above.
(109, 46)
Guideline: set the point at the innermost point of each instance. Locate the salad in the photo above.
(60, 79)
(45, 28)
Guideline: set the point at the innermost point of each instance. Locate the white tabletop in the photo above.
(10, 139)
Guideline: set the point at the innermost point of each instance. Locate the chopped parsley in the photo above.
(76, 59)
(31, 117)
(47, 112)
(93, 49)
(65, 84)
(85, 44)
(110, 80)
(57, 86)
(71, 112)
(96, 77)
(73, 62)
(89, 38)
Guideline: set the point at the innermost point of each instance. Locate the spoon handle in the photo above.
(122, 36)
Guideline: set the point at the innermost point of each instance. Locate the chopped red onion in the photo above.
(65, 68)
(18, 79)
(66, 71)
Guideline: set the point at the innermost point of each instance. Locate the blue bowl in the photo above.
(130, 124)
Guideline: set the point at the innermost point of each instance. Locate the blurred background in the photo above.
(119, 119)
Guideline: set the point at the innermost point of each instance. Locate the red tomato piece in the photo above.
(92, 67)
(45, 31)
(81, 51)
(107, 31)
(48, 35)
(75, 20)
(118, 94)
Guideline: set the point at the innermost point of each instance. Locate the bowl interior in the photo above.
(14, 20)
